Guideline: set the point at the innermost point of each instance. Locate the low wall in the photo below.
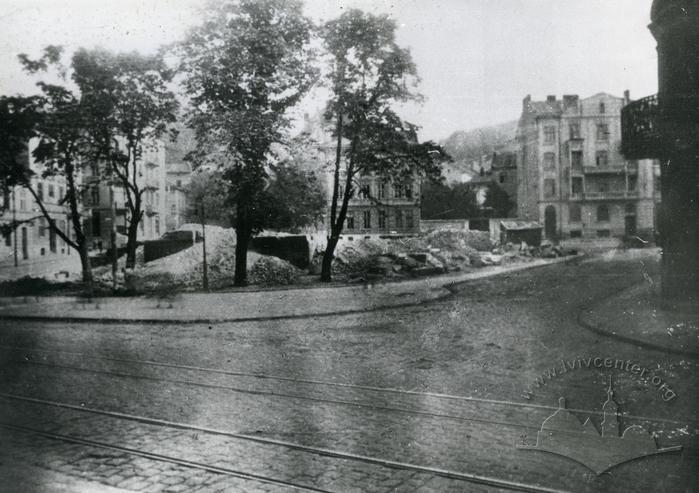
(155, 249)
(294, 249)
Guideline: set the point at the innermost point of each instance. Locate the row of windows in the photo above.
(550, 132)
(602, 212)
(403, 219)
(576, 160)
(50, 192)
(400, 190)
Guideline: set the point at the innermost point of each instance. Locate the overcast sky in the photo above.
(477, 58)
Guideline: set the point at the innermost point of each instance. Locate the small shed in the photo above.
(519, 231)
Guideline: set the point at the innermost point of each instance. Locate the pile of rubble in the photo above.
(184, 269)
(436, 253)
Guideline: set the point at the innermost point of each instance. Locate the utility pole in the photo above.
(113, 238)
(205, 273)
(14, 223)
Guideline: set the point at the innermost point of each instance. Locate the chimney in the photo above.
(550, 99)
(570, 100)
(627, 97)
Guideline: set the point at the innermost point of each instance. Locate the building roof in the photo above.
(178, 167)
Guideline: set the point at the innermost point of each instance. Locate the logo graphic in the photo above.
(562, 434)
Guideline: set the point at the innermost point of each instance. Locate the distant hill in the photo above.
(466, 146)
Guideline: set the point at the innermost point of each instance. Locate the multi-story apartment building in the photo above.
(572, 176)
(33, 239)
(178, 175)
(379, 205)
(100, 194)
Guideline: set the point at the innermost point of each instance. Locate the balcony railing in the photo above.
(614, 170)
(611, 195)
(640, 133)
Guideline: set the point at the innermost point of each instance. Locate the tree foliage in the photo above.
(369, 74)
(497, 202)
(245, 66)
(441, 201)
(130, 109)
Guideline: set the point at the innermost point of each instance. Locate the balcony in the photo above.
(604, 170)
(611, 195)
(645, 122)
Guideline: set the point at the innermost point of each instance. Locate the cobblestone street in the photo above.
(430, 397)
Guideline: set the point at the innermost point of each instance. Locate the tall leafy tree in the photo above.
(132, 107)
(368, 75)
(56, 119)
(245, 66)
(497, 202)
(440, 201)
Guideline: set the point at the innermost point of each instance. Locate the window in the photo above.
(52, 192)
(575, 233)
(408, 188)
(60, 193)
(173, 209)
(96, 224)
(381, 190)
(157, 226)
(603, 233)
(366, 216)
(549, 160)
(364, 191)
(8, 238)
(382, 219)
(23, 200)
(94, 195)
(549, 187)
(397, 191)
(576, 158)
(40, 190)
(52, 240)
(503, 178)
(602, 131)
(574, 213)
(630, 208)
(550, 135)
(399, 218)
(350, 221)
(409, 219)
(601, 108)
(576, 186)
(574, 131)
(602, 158)
(179, 183)
(632, 183)
(42, 227)
(602, 213)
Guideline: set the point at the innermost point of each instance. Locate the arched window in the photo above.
(602, 213)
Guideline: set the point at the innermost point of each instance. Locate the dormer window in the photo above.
(601, 108)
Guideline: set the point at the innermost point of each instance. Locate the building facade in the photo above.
(33, 240)
(100, 195)
(379, 205)
(572, 177)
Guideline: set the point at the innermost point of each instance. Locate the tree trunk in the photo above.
(131, 244)
(85, 263)
(242, 239)
(326, 269)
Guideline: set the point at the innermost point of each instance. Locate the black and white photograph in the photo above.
(349, 246)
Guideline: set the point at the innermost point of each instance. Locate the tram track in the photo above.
(325, 452)
(261, 376)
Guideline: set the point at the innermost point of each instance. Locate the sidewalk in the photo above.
(635, 316)
(252, 305)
